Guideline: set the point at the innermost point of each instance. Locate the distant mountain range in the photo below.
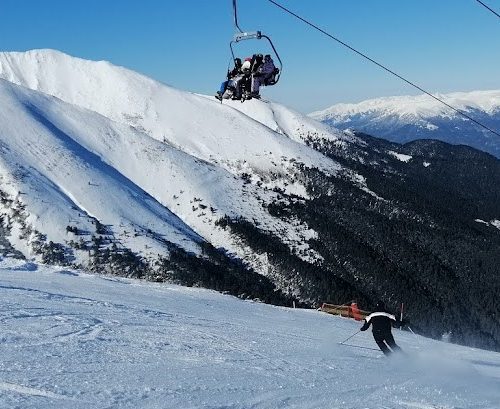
(106, 169)
(408, 118)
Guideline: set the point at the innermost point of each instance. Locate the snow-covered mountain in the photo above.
(74, 340)
(106, 169)
(100, 142)
(407, 118)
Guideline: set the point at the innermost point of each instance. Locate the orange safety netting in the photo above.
(347, 310)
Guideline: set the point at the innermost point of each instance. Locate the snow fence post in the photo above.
(401, 317)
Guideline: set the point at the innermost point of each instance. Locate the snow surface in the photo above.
(400, 156)
(494, 223)
(61, 178)
(74, 340)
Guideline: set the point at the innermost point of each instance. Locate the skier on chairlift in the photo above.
(238, 83)
(237, 80)
(264, 72)
(230, 75)
(254, 73)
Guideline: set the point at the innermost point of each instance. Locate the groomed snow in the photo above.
(73, 340)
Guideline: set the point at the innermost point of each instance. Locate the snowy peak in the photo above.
(421, 106)
(202, 127)
(72, 79)
(407, 118)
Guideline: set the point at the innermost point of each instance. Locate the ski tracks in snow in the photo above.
(104, 342)
(24, 390)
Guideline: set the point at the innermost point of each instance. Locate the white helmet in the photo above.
(246, 65)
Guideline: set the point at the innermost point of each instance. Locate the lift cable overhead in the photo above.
(462, 113)
(489, 8)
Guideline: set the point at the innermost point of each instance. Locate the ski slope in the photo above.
(74, 340)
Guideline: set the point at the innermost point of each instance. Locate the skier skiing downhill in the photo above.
(382, 323)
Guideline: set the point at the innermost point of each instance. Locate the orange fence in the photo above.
(349, 311)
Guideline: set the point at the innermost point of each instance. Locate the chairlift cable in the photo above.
(383, 66)
(242, 35)
(489, 8)
(235, 12)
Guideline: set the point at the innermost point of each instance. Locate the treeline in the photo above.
(420, 242)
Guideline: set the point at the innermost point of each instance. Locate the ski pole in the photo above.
(357, 332)
(359, 346)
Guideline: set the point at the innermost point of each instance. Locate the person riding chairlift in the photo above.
(230, 75)
(236, 77)
(261, 76)
(245, 79)
(239, 83)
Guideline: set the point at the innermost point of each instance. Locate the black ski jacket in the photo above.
(234, 72)
(382, 322)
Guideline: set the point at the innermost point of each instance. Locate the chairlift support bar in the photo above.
(247, 36)
(235, 10)
(251, 35)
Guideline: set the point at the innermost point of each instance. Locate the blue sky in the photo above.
(444, 46)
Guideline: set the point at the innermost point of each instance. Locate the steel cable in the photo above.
(383, 67)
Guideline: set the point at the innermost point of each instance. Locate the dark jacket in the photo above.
(257, 61)
(234, 72)
(381, 321)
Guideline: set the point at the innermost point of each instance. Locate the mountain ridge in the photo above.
(406, 118)
(486, 100)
